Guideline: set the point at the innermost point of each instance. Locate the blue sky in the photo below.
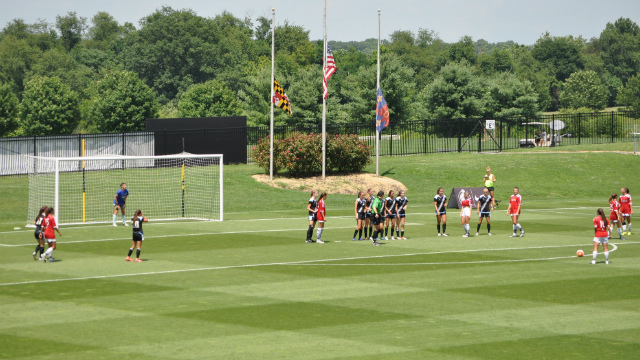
(492, 20)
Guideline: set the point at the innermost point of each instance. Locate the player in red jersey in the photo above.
(626, 210)
(322, 217)
(515, 203)
(600, 224)
(614, 217)
(465, 213)
(49, 225)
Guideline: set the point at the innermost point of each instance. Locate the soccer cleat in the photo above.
(114, 224)
(439, 234)
(128, 258)
(35, 257)
(125, 224)
(465, 235)
(521, 233)
(43, 258)
(443, 234)
(623, 238)
(51, 259)
(404, 238)
(593, 262)
(320, 241)
(607, 262)
(477, 234)
(513, 235)
(375, 243)
(386, 238)
(628, 232)
(138, 260)
(392, 238)
(354, 239)
(360, 239)
(490, 234)
(308, 241)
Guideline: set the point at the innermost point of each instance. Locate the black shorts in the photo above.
(377, 220)
(490, 188)
(37, 234)
(138, 236)
(401, 214)
(485, 214)
(361, 216)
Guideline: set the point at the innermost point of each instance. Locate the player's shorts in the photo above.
(441, 213)
(37, 234)
(613, 217)
(518, 213)
(138, 236)
(601, 240)
(485, 214)
(466, 212)
(368, 215)
(376, 220)
(391, 216)
(361, 216)
(625, 215)
(313, 217)
(401, 214)
(490, 188)
(118, 204)
(50, 240)
(320, 217)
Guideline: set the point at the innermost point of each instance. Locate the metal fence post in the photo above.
(391, 140)
(501, 124)
(579, 127)
(459, 135)
(612, 127)
(425, 136)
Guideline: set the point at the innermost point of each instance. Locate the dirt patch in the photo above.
(335, 184)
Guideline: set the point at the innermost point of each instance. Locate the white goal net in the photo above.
(170, 187)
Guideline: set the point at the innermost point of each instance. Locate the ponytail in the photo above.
(613, 197)
(603, 217)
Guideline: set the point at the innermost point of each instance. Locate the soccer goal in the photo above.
(169, 187)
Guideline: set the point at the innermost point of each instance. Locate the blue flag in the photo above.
(382, 112)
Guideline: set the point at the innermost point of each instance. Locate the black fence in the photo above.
(472, 135)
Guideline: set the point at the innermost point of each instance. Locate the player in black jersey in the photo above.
(390, 213)
(369, 217)
(38, 233)
(312, 207)
(485, 207)
(138, 235)
(359, 207)
(440, 203)
(401, 206)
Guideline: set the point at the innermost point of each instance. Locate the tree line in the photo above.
(81, 75)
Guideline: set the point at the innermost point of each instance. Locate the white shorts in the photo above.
(51, 240)
(601, 240)
(625, 215)
(466, 212)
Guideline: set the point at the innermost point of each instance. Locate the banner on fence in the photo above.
(457, 195)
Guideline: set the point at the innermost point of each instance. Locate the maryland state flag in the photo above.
(280, 98)
(382, 112)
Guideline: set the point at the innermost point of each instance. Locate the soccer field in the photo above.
(250, 288)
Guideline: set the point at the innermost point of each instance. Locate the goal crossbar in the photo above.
(167, 187)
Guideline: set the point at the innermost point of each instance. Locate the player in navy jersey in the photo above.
(39, 233)
(360, 207)
(440, 203)
(138, 236)
(369, 215)
(390, 213)
(119, 202)
(401, 207)
(485, 207)
(312, 207)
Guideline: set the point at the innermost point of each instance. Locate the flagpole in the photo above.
(273, 30)
(378, 87)
(324, 101)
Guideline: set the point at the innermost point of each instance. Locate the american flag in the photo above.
(329, 70)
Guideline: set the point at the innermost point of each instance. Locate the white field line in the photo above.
(179, 235)
(306, 262)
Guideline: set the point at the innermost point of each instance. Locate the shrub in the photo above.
(301, 154)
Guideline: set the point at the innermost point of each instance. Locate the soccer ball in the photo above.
(580, 253)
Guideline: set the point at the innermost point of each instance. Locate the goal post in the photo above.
(168, 187)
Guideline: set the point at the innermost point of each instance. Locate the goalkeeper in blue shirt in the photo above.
(119, 203)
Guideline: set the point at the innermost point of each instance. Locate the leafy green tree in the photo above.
(60, 64)
(120, 102)
(619, 47)
(103, 31)
(561, 55)
(526, 67)
(463, 50)
(584, 89)
(211, 98)
(71, 28)
(38, 35)
(16, 59)
(175, 49)
(629, 95)
(420, 53)
(456, 92)
(507, 95)
(48, 107)
(8, 110)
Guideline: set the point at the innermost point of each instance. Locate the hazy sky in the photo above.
(493, 20)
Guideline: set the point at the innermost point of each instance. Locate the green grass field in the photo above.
(250, 288)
